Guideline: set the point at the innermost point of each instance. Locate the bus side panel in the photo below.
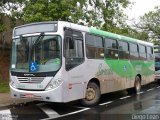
(113, 75)
(145, 69)
(147, 72)
(123, 74)
(76, 82)
(103, 71)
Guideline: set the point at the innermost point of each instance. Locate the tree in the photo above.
(2, 26)
(150, 23)
(105, 14)
(131, 32)
(45, 10)
(97, 13)
(13, 8)
(10, 7)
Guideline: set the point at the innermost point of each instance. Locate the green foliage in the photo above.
(47, 10)
(150, 24)
(2, 26)
(13, 8)
(108, 15)
(104, 14)
(130, 32)
(4, 87)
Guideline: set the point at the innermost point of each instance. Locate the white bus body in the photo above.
(65, 79)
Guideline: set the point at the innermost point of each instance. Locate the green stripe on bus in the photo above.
(130, 68)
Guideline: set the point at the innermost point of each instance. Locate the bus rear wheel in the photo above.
(137, 85)
(92, 95)
(158, 81)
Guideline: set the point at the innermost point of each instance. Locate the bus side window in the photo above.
(149, 53)
(111, 49)
(73, 49)
(69, 46)
(142, 52)
(123, 50)
(94, 47)
(133, 48)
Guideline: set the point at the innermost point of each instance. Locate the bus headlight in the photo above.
(13, 84)
(54, 83)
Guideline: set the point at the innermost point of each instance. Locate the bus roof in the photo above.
(19, 30)
(104, 33)
(116, 36)
(38, 27)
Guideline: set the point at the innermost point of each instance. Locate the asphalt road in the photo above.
(120, 105)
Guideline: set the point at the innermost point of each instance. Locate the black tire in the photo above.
(137, 85)
(158, 81)
(92, 95)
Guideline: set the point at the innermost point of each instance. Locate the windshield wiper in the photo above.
(34, 45)
(38, 39)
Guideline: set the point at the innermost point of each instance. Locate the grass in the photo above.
(4, 87)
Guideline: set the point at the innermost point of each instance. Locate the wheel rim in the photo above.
(90, 94)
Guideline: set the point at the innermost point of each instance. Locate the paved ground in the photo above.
(112, 106)
(6, 100)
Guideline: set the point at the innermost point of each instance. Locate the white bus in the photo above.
(62, 62)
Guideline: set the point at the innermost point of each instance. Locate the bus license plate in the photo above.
(29, 96)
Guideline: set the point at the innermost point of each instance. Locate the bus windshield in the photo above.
(36, 53)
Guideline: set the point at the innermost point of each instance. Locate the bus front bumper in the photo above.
(54, 95)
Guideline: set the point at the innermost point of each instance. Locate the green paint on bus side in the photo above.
(126, 68)
(130, 68)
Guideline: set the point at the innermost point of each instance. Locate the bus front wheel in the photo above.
(137, 85)
(92, 95)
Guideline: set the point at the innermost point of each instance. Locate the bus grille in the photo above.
(30, 79)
